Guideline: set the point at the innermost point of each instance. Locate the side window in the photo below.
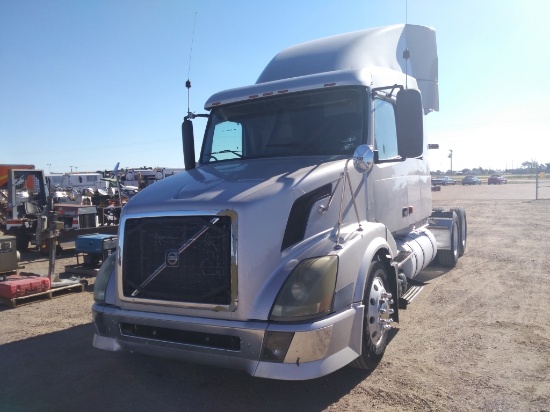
(385, 135)
(227, 142)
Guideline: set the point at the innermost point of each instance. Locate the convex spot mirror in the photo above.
(363, 158)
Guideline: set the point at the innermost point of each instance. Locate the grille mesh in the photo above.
(199, 274)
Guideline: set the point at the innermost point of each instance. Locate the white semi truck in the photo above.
(286, 251)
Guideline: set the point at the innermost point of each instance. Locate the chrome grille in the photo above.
(178, 258)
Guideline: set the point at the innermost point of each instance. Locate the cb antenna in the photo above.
(406, 52)
(188, 82)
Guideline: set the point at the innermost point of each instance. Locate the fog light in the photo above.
(99, 323)
(276, 346)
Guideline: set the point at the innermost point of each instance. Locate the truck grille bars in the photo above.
(178, 258)
(172, 257)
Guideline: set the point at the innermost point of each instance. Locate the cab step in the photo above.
(412, 292)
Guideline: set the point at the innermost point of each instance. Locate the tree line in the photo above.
(527, 167)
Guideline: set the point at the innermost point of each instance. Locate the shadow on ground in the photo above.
(62, 372)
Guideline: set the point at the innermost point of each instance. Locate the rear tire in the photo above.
(376, 321)
(462, 229)
(449, 258)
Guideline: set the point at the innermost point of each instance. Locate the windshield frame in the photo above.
(306, 111)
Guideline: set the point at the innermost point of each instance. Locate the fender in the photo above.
(387, 249)
(382, 245)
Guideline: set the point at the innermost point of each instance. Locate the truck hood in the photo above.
(235, 184)
(271, 233)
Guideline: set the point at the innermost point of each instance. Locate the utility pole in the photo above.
(451, 157)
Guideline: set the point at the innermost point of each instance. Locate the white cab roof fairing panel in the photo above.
(355, 77)
(371, 76)
(382, 46)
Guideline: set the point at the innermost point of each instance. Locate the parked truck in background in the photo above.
(286, 251)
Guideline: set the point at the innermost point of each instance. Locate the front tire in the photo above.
(376, 321)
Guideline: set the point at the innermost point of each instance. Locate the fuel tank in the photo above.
(422, 246)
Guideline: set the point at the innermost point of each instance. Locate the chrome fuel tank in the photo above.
(423, 248)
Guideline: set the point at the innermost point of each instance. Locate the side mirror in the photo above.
(363, 158)
(409, 118)
(188, 139)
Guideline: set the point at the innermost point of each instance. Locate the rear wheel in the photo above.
(462, 228)
(449, 258)
(376, 321)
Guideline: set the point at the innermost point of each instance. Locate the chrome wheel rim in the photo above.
(378, 313)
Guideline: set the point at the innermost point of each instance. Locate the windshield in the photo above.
(328, 122)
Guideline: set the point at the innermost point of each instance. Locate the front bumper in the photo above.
(317, 348)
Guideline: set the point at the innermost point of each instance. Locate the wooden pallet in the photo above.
(82, 270)
(49, 294)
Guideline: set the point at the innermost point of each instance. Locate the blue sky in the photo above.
(87, 84)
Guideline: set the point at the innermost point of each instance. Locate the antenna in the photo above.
(406, 52)
(188, 82)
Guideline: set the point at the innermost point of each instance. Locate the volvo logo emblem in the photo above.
(172, 258)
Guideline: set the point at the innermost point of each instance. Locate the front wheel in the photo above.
(377, 320)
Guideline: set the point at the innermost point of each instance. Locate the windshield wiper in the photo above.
(225, 151)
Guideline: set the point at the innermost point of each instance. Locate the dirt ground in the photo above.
(476, 339)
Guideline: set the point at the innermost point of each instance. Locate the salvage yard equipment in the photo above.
(31, 287)
(95, 247)
(26, 210)
(9, 256)
(24, 284)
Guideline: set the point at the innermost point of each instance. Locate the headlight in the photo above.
(102, 278)
(308, 291)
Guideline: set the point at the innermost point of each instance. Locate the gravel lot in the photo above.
(476, 339)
